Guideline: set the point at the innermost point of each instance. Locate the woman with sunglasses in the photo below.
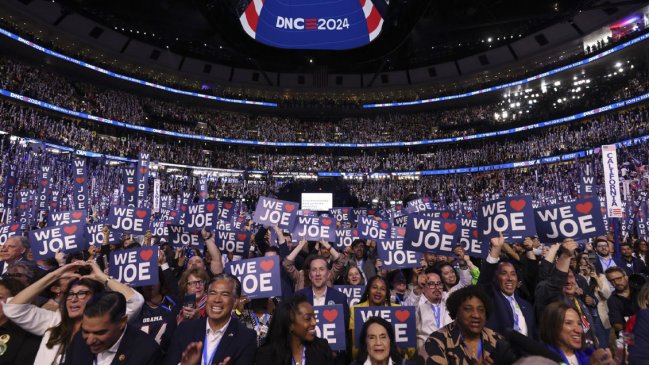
(59, 327)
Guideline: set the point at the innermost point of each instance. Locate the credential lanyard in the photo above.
(303, 357)
(205, 361)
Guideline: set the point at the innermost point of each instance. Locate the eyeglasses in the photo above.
(615, 280)
(81, 295)
(431, 284)
(196, 283)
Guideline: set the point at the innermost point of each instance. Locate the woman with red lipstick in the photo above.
(291, 339)
(562, 331)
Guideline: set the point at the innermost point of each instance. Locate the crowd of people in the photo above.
(528, 105)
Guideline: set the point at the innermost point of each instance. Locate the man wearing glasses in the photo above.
(431, 310)
(623, 303)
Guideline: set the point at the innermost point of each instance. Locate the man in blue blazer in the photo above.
(318, 293)
(500, 282)
(218, 339)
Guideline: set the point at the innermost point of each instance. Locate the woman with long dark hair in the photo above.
(291, 339)
(59, 327)
(377, 344)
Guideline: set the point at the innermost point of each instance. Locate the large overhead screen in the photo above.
(314, 24)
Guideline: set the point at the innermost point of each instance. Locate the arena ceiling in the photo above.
(415, 32)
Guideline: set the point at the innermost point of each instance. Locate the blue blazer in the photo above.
(501, 317)
(333, 297)
(238, 342)
(136, 348)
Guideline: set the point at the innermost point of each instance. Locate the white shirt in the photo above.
(213, 339)
(522, 324)
(106, 357)
(319, 301)
(426, 322)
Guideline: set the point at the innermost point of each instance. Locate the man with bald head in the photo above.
(14, 250)
(500, 281)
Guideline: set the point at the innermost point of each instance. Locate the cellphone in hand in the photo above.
(189, 301)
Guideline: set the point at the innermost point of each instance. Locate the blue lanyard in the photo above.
(205, 362)
(258, 325)
(437, 312)
(303, 357)
(479, 354)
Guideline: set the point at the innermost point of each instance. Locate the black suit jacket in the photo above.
(238, 342)
(501, 317)
(136, 348)
(317, 352)
(333, 297)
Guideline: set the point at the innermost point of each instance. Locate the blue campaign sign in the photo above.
(178, 237)
(372, 229)
(273, 212)
(168, 215)
(581, 219)
(400, 221)
(344, 238)
(159, 228)
(7, 231)
(436, 235)
(394, 256)
(129, 220)
(47, 241)
(61, 218)
(135, 267)
(469, 238)
(420, 205)
(330, 325)
(199, 216)
(402, 319)
(513, 216)
(259, 276)
(311, 24)
(226, 211)
(353, 293)
(232, 241)
(95, 235)
(343, 215)
(315, 228)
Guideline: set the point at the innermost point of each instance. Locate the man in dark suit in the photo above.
(105, 338)
(500, 281)
(318, 293)
(219, 338)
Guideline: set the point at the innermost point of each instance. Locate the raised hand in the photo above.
(192, 354)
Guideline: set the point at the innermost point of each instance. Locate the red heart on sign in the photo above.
(330, 314)
(44, 183)
(77, 215)
(227, 205)
(143, 170)
(140, 213)
(130, 189)
(267, 265)
(475, 233)
(54, 204)
(240, 219)
(384, 225)
(326, 222)
(584, 208)
(241, 236)
(289, 207)
(209, 207)
(445, 215)
(450, 227)
(70, 229)
(14, 227)
(356, 233)
(11, 180)
(173, 214)
(371, 212)
(402, 315)
(146, 254)
(640, 214)
(469, 215)
(183, 208)
(23, 206)
(517, 205)
(401, 231)
(81, 180)
(203, 194)
(426, 200)
(345, 210)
